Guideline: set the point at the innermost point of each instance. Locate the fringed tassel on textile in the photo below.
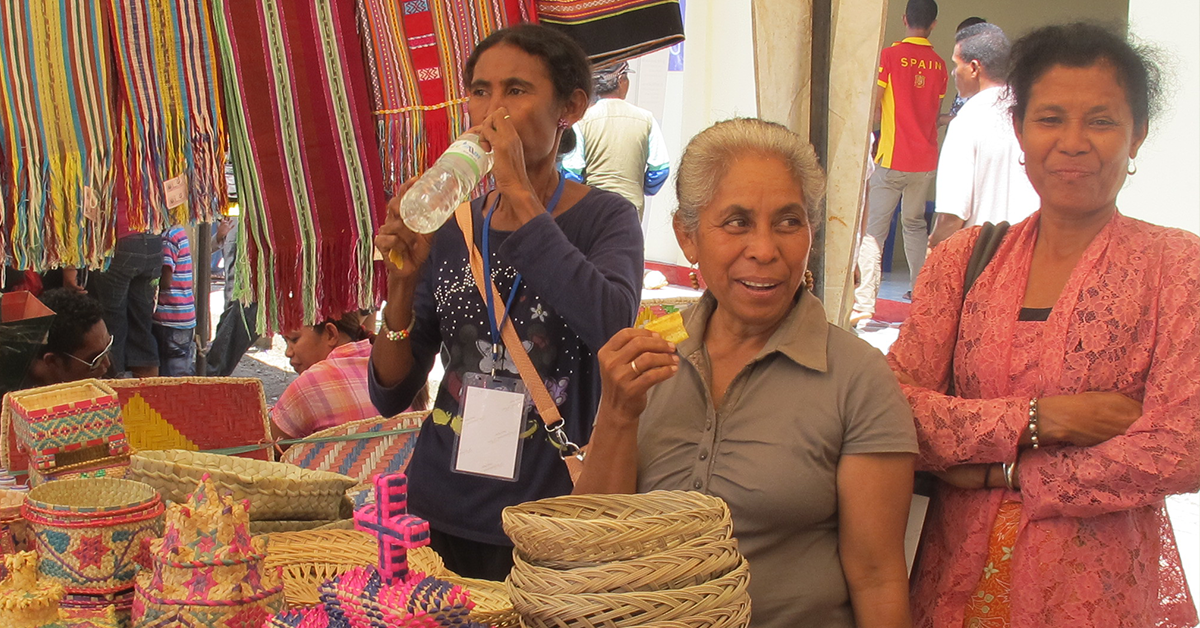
(167, 97)
(55, 134)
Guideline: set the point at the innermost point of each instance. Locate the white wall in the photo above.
(1164, 190)
(717, 82)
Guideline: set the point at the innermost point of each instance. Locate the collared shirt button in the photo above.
(704, 455)
(708, 424)
(697, 484)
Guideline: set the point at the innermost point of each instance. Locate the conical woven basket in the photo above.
(640, 608)
(276, 490)
(586, 529)
(27, 601)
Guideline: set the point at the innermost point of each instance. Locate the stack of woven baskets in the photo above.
(664, 559)
(283, 497)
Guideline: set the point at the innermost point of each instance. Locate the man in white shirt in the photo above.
(980, 175)
(622, 148)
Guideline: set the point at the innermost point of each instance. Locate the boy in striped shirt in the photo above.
(175, 316)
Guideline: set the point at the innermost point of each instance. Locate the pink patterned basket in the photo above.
(89, 532)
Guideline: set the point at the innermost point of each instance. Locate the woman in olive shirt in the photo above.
(797, 424)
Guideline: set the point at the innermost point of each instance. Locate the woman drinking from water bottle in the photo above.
(563, 260)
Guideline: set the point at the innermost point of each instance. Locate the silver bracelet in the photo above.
(1009, 471)
(1033, 422)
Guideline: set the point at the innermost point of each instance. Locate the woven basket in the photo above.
(150, 611)
(76, 605)
(312, 557)
(107, 467)
(640, 608)
(104, 617)
(161, 413)
(493, 606)
(89, 532)
(55, 420)
(602, 528)
(690, 564)
(27, 601)
(271, 527)
(360, 449)
(276, 491)
(736, 615)
(14, 531)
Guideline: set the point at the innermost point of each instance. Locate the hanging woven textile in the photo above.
(416, 50)
(304, 154)
(56, 160)
(171, 137)
(611, 31)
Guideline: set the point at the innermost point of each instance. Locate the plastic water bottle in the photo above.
(435, 196)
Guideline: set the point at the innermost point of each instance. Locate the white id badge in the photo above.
(492, 421)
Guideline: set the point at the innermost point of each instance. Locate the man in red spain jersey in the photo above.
(912, 83)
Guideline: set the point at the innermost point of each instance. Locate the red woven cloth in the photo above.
(305, 155)
(416, 51)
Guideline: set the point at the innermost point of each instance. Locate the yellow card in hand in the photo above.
(670, 327)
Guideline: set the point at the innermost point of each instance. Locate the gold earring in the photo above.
(1132, 168)
(694, 276)
(809, 282)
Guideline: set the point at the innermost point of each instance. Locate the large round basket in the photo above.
(583, 529)
(276, 490)
(709, 600)
(89, 532)
(690, 564)
(311, 557)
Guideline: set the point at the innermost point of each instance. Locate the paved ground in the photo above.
(271, 366)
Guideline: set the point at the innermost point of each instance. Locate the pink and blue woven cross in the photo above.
(389, 521)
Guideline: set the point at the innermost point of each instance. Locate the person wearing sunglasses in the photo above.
(78, 344)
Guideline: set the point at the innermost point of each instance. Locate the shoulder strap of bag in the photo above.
(982, 253)
(542, 400)
(986, 245)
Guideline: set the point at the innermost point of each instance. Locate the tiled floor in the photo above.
(1184, 510)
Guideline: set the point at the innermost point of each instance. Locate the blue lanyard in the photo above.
(497, 341)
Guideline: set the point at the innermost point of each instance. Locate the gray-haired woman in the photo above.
(797, 424)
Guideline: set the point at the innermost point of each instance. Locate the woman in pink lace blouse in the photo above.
(1074, 361)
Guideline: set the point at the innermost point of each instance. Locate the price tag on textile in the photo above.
(91, 204)
(176, 191)
(491, 432)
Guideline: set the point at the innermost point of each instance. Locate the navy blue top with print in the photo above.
(581, 276)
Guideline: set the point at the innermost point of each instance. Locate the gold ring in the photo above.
(633, 365)
(506, 116)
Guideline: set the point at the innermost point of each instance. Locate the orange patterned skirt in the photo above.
(990, 606)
